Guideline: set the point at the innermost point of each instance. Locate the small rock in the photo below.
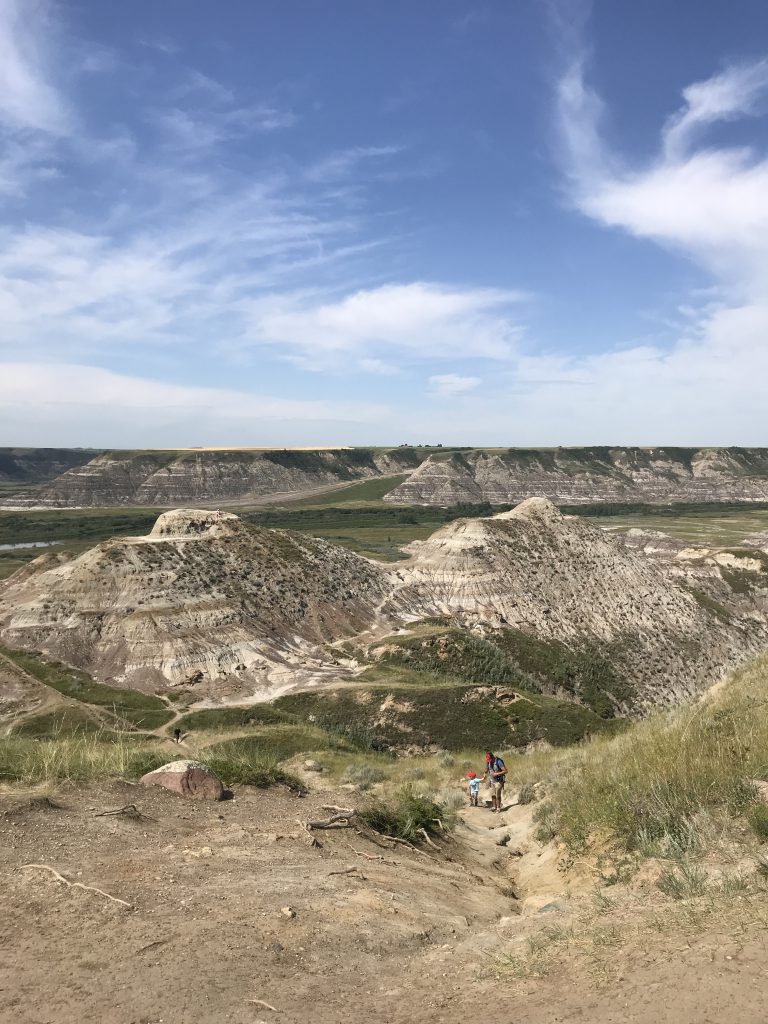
(288, 913)
(503, 840)
(551, 908)
(312, 766)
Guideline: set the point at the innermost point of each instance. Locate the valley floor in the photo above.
(374, 932)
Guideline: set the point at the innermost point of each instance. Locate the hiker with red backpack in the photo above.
(495, 771)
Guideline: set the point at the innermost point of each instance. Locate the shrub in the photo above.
(404, 815)
(757, 816)
(445, 759)
(683, 882)
(527, 793)
(363, 776)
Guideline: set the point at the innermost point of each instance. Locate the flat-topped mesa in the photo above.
(191, 522)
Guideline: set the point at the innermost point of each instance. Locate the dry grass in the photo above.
(79, 757)
(663, 786)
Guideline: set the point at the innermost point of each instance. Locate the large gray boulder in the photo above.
(187, 778)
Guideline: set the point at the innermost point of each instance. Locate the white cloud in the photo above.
(725, 97)
(28, 99)
(448, 385)
(709, 203)
(68, 402)
(419, 320)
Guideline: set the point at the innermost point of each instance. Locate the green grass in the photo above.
(140, 710)
(714, 526)
(63, 722)
(366, 492)
(233, 718)
(405, 814)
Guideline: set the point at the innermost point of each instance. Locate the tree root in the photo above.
(267, 1006)
(78, 885)
(129, 811)
(342, 819)
(429, 841)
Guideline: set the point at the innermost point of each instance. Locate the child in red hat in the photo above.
(474, 788)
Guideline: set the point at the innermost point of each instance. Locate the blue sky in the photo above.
(540, 222)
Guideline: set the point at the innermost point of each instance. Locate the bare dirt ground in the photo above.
(404, 937)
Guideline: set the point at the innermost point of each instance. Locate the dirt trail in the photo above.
(379, 934)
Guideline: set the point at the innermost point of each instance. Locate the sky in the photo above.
(300, 222)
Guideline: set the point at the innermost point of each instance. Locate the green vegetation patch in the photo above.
(140, 710)
(586, 672)
(451, 715)
(63, 722)
(234, 718)
(76, 757)
(406, 815)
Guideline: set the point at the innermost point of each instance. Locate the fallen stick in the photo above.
(130, 811)
(429, 841)
(313, 840)
(267, 1006)
(404, 842)
(335, 820)
(346, 871)
(78, 885)
(369, 856)
(350, 812)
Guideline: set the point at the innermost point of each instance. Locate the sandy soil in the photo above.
(398, 939)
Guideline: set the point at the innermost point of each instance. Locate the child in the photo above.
(474, 788)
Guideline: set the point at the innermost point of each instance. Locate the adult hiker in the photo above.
(495, 771)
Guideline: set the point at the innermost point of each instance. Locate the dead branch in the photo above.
(441, 825)
(313, 840)
(267, 1006)
(78, 885)
(340, 820)
(346, 871)
(404, 842)
(130, 811)
(369, 856)
(350, 812)
(428, 840)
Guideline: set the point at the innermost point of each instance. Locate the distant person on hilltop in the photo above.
(495, 771)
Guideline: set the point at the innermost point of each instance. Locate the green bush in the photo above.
(404, 815)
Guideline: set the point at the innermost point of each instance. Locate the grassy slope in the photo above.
(584, 672)
(670, 784)
(128, 708)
